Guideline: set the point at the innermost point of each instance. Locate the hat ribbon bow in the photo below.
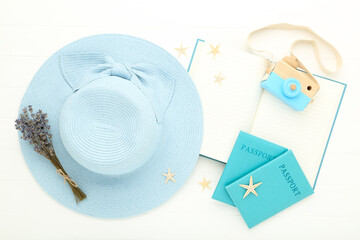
(157, 85)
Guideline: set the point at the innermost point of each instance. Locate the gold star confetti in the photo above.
(205, 184)
(181, 50)
(250, 187)
(214, 50)
(219, 78)
(169, 176)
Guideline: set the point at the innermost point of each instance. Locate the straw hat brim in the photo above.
(145, 188)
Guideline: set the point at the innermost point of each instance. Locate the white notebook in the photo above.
(239, 103)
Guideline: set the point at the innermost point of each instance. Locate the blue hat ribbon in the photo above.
(80, 69)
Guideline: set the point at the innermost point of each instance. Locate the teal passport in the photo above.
(269, 189)
(248, 154)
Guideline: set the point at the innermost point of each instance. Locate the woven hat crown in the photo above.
(111, 124)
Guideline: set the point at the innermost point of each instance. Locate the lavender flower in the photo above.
(35, 128)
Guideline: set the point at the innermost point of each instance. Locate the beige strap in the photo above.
(284, 26)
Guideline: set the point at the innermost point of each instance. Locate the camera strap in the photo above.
(314, 42)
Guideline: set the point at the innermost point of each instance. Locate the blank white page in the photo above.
(231, 106)
(306, 133)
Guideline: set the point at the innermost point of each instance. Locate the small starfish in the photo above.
(250, 187)
(219, 78)
(169, 176)
(181, 50)
(214, 50)
(205, 184)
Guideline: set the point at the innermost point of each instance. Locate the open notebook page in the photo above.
(306, 133)
(230, 105)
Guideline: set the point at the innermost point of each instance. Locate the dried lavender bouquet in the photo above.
(35, 128)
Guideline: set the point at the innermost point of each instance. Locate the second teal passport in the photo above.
(278, 184)
(255, 151)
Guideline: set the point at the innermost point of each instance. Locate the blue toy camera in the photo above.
(293, 87)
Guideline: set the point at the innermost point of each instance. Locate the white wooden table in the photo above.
(30, 31)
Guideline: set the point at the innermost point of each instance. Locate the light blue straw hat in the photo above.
(122, 112)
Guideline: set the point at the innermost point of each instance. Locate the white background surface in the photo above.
(30, 31)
